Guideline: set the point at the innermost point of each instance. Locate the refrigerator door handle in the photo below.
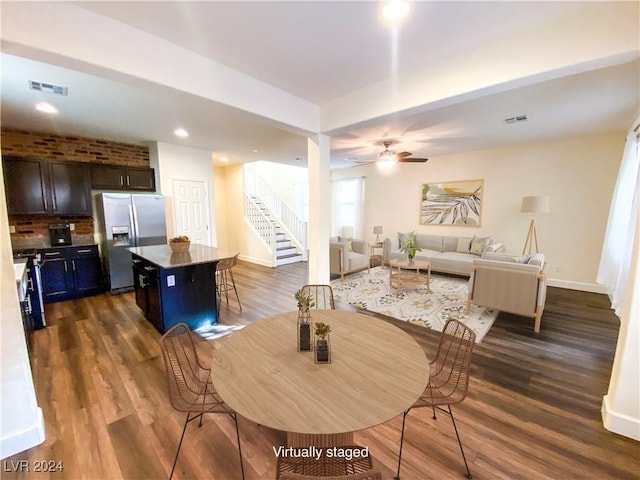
(133, 213)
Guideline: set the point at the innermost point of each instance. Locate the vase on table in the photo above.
(322, 351)
(304, 331)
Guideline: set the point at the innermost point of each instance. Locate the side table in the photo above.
(376, 257)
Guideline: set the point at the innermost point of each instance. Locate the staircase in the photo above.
(285, 251)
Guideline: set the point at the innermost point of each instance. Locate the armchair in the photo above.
(348, 255)
(507, 285)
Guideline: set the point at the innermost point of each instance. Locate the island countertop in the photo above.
(163, 257)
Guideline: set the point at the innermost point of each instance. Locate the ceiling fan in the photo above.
(389, 156)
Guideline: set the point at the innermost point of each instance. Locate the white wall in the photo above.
(184, 163)
(578, 174)
(21, 421)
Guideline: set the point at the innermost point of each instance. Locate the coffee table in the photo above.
(408, 273)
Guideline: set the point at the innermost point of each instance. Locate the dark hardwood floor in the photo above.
(533, 409)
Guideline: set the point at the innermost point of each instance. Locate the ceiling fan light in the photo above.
(386, 163)
(395, 9)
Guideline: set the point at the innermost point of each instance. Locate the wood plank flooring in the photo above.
(533, 409)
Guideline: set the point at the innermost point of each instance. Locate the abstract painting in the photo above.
(452, 203)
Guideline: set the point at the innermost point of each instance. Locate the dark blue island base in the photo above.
(174, 288)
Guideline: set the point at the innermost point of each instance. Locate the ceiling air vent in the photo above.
(519, 118)
(48, 88)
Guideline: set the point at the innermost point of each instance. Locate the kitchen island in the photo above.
(173, 288)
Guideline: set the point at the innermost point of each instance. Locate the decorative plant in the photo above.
(305, 302)
(322, 330)
(410, 246)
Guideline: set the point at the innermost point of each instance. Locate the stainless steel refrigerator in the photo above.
(127, 220)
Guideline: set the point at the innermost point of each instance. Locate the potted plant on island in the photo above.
(410, 246)
(323, 350)
(305, 304)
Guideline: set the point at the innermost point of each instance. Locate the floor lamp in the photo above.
(535, 204)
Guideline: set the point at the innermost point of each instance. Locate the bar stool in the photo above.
(224, 278)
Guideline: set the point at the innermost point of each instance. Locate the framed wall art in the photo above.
(452, 203)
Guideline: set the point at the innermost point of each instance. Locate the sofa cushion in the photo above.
(463, 245)
(450, 244)
(430, 242)
(478, 245)
(453, 262)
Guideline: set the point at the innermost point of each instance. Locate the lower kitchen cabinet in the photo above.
(70, 272)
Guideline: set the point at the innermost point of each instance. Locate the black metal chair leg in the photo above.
(235, 419)
(175, 460)
(404, 417)
(468, 475)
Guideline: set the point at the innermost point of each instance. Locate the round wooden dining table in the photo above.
(377, 371)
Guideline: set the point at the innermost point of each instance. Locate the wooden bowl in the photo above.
(179, 247)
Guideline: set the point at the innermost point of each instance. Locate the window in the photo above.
(348, 203)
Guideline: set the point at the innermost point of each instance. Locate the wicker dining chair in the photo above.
(449, 377)
(224, 278)
(191, 389)
(373, 474)
(323, 296)
(327, 467)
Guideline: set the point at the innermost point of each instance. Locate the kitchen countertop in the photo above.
(163, 257)
(20, 270)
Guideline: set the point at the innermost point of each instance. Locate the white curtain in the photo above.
(619, 245)
(348, 206)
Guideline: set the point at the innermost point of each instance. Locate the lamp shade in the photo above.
(535, 204)
(377, 229)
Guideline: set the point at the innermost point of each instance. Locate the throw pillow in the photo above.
(347, 241)
(464, 244)
(478, 245)
(521, 259)
(402, 237)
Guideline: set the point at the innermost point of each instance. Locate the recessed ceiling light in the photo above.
(254, 150)
(181, 132)
(46, 108)
(224, 159)
(395, 9)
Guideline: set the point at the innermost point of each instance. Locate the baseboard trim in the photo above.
(619, 423)
(585, 287)
(24, 440)
(259, 261)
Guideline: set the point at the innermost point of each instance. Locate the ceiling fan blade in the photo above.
(413, 159)
(403, 154)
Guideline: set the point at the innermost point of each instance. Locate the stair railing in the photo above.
(295, 228)
(261, 224)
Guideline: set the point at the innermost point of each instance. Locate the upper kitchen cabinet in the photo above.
(117, 177)
(46, 187)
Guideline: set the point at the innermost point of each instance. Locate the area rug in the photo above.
(447, 299)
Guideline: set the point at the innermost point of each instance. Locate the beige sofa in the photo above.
(448, 254)
(510, 283)
(348, 255)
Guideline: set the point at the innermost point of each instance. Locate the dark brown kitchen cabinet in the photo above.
(46, 187)
(117, 177)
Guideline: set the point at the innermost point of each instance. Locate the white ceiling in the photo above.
(320, 52)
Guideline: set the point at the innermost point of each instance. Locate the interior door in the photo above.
(192, 210)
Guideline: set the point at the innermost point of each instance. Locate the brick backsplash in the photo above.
(23, 143)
